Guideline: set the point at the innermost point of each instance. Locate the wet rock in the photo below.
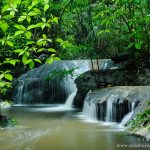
(123, 100)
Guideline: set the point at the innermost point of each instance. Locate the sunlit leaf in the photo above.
(20, 27)
(5, 8)
(28, 61)
(18, 32)
(46, 7)
(51, 50)
(9, 43)
(37, 60)
(4, 26)
(8, 77)
(44, 36)
(21, 18)
(31, 65)
(28, 34)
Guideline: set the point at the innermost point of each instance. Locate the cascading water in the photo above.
(111, 112)
(34, 87)
(90, 110)
(70, 99)
(127, 117)
(109, 105)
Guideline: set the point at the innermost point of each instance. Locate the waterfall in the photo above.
(90, 110)
(70, 99)
(20, 91)
(128, 116)
(34, 87)
(111, 111)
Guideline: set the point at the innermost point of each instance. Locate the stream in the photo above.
(57, 127)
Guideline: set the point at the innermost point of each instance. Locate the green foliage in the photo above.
(142, 119)
(5, 81)
(59, 74)
(126, 23)
(7, 122)
(72, 29)
(24, 34)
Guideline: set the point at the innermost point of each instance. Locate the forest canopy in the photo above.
(33, 32)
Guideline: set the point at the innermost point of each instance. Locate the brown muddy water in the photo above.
(58, 128)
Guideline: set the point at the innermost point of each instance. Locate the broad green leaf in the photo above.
(29, 19)
(2, 84)
(32, 13)
(48, 25)
(4, 26)
(130, 45)
(19, 50)
(5, 8)
(43, 19)
(49, 60)
(138, 45)
(40, 50)
(36, 10)
(35, 2)
(2, 41)
(30, 7)
(53, 55)
(21, 18)
(39, 24)
(8, 17)
(28, 34)
(13, 61)
(9, 43)
(24, 58)
(51, 50)
(8, 77)
(37, 60)
(59, 40)
(31, 27)
(56, 58)
(12, 13)
(49, 40)
(44, 36)
(28, 61)
(46, 7)
(43, 26)
(18, 32)
(1, 76)
(7, 71)
(20, 27)
(40, 40)
(55, 19)
(30, 42)
(31, 65)
(46, 1)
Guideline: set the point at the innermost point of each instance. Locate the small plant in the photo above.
(4, 120)
(142, 119)
(7, 122)
(59, 74)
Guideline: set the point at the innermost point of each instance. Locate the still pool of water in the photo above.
(58, 128)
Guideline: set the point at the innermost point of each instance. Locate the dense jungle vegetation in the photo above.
(33, 32)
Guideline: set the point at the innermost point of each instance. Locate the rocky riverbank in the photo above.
(114, 104)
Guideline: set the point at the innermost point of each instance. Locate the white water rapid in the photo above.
(70, 99)
(128, 116)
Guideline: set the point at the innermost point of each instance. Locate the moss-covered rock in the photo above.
(7, 122)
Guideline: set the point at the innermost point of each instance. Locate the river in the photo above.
(56, 127)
